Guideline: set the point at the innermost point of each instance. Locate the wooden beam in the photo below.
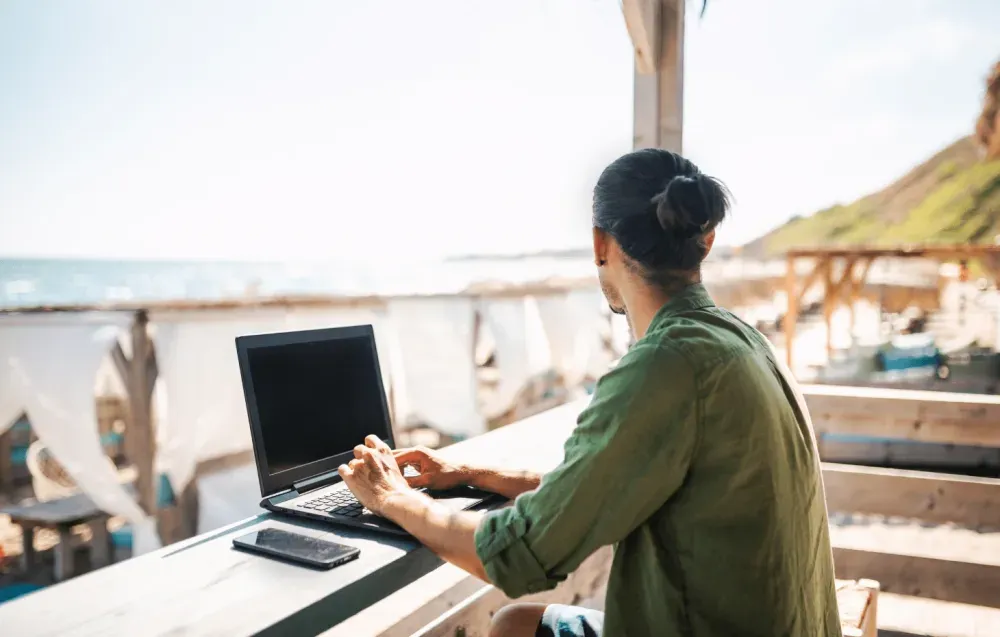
(810, 279)
(907, 616)
(939, 417)
(828, 303)
(991, 264)
(140, 437)
(792, 311)
(855, 286)
(491, 290)
(947, 580)
(642, 20)
(919, 495)
(658, 97)
(953, 251)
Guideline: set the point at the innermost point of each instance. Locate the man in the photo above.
(695, 459)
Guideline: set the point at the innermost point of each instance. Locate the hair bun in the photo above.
(690, 205)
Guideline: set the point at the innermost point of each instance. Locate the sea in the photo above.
(26, 283)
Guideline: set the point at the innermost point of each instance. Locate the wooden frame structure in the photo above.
(854, 264)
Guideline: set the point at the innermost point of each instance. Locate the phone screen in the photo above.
(301, 548)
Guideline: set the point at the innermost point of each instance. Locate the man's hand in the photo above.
(373, 476)
(435, 471)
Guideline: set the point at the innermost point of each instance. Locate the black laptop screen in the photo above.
(316, 400)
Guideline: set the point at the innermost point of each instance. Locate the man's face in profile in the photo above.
(611, 294)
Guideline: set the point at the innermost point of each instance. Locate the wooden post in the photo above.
(792, 311)
(829, 302)
(855, 283)
(657, 31)
(139, 377)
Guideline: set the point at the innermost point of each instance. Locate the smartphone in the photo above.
(293, 547)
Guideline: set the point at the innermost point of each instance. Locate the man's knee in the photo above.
(517, 620)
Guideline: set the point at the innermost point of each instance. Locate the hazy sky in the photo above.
(322, 129)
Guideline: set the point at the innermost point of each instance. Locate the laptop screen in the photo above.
(316, 399)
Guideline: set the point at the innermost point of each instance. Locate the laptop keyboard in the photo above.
(341, 502)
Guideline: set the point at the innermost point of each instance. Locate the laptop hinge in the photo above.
(316, 482)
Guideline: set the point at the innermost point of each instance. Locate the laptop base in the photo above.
(289, 503)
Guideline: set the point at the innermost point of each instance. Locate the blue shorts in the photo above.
(560, 620)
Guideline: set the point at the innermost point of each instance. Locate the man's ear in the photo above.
(709, 241)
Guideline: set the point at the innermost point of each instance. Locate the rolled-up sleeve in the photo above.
(629, 453)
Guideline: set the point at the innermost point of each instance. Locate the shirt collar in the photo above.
(693, 297)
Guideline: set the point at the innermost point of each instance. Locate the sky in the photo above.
(315, 129)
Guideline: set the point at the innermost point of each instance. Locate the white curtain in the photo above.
(226, 497)
(573, 325)
(48, 366)
(436, 381)
(203, 411)
(521, 348)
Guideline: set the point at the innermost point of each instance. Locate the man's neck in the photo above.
(640, 307)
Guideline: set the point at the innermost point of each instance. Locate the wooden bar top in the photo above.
(203, 586)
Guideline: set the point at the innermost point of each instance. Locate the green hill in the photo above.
(953, 197)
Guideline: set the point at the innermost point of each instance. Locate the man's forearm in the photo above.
(509, 484)
(450, 534)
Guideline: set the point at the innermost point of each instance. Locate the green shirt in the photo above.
(697, 461)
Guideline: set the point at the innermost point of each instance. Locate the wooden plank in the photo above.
(473, 615)
(554, 285)
(642, 23)
(932, 497)
(75, 509)
(905, 615)
(658, 98)
(922, 576)
(939, 417)
(857, 602)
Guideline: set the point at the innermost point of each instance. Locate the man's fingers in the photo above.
(345, 472)
(355, 464)
(369, 459)
(413, 457)
(417, 481)
(359, 451)
(375, 442)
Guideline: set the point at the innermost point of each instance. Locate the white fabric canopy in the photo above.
(521, 348)
(226, 497)
(48, 366)
(573, 325)
(203, 411)
(436, 379)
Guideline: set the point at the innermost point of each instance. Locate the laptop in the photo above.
(312, 396)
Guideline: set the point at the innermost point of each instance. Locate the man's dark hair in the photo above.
(658, 206)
